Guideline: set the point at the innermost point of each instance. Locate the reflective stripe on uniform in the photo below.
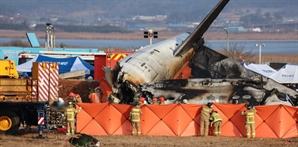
(216, 117)
(206, 110)
(135, 114)
(250, 117)
(70, 113)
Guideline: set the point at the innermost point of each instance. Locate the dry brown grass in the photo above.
(162, 35)
(266, 58)
(283, 58)
(57, 140)
(287, 58)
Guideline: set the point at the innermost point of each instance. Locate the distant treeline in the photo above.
(67, 28)
(19, 27)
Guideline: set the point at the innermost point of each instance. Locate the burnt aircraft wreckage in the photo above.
(151, 71)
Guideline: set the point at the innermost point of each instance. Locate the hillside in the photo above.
(190, 9)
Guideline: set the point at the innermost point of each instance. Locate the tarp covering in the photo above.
(287, 74)
(274, 121)
(262, 69)
(65, 64)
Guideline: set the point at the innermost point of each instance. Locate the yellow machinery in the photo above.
(13, 89)
(8, 69)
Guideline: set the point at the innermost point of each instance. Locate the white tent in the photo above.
(26, 67)
(262, 69)
(287, 74)
(289, 66)
(65, 64)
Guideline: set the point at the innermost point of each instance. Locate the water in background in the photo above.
(271, 46)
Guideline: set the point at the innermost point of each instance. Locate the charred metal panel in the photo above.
(200, 91)
(201, 62)
(217, 78)
(163, 59)
(149, 64)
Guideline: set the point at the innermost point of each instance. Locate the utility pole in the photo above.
(150, 34)
(50, 37)
(228, 40)
(260, 51)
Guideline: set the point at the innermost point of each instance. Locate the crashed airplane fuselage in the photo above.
(162, 61)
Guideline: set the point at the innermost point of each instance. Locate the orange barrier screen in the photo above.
(275, 121)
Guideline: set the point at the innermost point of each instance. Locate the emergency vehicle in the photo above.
(19, 100)
(86, 56)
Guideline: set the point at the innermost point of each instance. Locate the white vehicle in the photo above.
(86, 56)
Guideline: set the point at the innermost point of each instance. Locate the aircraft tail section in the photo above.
(201, 29)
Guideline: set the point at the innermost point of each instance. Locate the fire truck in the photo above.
(107, 61)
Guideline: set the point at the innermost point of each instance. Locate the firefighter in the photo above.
(205, 116)
(250, 121)
(162, 100)
(94, 96)
(71, 96)
(83, 140)
(77, 98)
(99, 95)
(216, 121)
(154, 101)
(70, 117)
(141, 101)
(135, 117)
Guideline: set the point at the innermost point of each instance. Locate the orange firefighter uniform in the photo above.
(141, 101)
(135, 118)
(216, 121)
(162, 100)
(70, 113)
(204, 122)
(94, 98)
(250, 121)
(155, 101)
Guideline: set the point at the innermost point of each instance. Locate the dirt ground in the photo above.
(58, 140)
(81, 87)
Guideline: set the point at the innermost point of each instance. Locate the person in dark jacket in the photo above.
(84, 140)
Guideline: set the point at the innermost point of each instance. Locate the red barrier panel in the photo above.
(276, 121)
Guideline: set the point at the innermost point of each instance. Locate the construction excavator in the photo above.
(182, 67)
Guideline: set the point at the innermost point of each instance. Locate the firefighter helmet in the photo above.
(249, 107)
(97, 89)
(142, 99)
(70, 103)
(161, 98)
(209, 104)
(71, 94)
(155, 99)
(77, 95)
